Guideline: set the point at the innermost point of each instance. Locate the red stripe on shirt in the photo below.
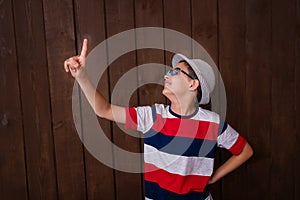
(131, 119)
(186, 128)
(173, 182)
(238, 146)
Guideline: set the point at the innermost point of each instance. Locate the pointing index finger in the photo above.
(84, 48)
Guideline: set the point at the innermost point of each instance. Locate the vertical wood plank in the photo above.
(283, 115)
(120, 17)
(205, 32)
(232, 67)
(60, 38)
(150, 14)
(177, 16)
(204, 25)
(12, 159)
(297, 101)
(258, 96)
(91, 24)
(35, 97)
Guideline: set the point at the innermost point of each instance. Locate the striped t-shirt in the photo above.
(179, 150)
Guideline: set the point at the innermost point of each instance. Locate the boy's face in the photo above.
(177, 85)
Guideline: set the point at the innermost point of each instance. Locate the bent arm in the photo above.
(99, 104)
(232, 163)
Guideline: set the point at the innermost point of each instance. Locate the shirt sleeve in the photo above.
(139, 118)
(231, 140)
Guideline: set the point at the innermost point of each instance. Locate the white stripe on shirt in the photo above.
(178, 164)
(228, 138)
(144, 118)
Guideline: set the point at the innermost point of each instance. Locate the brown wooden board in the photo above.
(120, 17)
(232, 66)
(297, 106)
(150, 14)
(283, 100)
(13, 183)
(258, 96)
(90, 23)
(35, 97)
(205, 27)
(60, 40)
(177, 16)
(205, 32)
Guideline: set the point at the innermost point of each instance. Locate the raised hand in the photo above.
(76, 64)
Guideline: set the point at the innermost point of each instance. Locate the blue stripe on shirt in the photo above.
(180, 145)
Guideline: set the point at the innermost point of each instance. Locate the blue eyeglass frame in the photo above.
(176, 70)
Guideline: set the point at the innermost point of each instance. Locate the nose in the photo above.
(166, 77)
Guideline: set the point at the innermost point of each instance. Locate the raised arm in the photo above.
(76, 66)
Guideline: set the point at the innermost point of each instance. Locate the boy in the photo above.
(180, 138)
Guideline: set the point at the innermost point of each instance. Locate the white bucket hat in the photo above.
(204, 73)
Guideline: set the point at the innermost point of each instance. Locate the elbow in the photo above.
(102, 111)
(248, 151)
(104, 114)
(100, 114)
(251, 152)
(97, 112)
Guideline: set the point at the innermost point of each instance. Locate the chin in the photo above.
(166, 92)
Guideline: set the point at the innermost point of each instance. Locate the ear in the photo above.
(194, 84)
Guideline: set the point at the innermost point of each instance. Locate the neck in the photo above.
(183, 108)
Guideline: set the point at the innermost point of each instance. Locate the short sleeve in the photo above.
(139, 118)
(231, 140)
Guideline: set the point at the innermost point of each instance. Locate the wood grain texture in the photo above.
(35, 97)
(90, 24)
(283, 101)
(177, 16)
(60, 40)
(258, 72)
(120, 17)
(297, 106)
(13, 183)
(150, 14)
(232, 67)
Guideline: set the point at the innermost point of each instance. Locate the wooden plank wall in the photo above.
(255, 44)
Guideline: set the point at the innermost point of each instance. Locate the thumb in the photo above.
(84, 48)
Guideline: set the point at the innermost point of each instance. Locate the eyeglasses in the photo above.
(176, 70)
